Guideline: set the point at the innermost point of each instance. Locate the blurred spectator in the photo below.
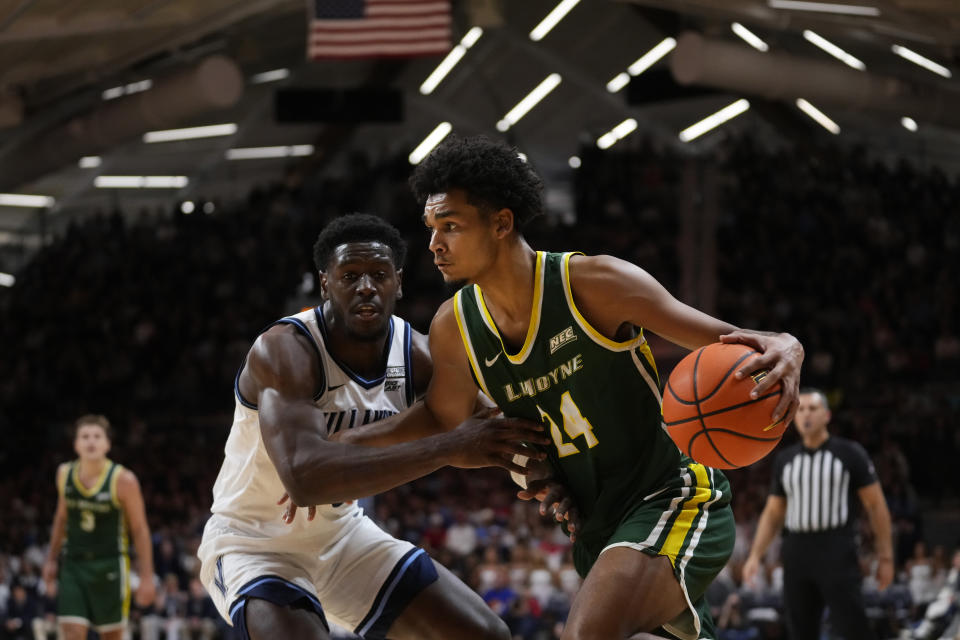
(201, 617)
(21, 611)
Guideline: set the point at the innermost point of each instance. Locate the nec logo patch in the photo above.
(564, 337)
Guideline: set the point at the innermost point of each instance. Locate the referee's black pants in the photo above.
(822, 569)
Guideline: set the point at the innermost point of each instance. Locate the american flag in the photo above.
(378, 28)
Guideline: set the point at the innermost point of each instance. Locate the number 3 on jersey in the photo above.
(88, 521)
(574, 423)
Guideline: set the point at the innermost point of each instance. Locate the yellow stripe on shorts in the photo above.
(691, 508)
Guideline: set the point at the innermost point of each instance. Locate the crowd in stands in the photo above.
(145, 318)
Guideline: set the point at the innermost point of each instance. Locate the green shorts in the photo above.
(95, 593)
(690, 522)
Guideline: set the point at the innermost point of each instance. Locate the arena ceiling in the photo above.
(57, 59)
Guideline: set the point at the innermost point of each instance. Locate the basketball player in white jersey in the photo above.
(308, 378)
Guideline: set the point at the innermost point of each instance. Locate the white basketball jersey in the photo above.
(247, 489)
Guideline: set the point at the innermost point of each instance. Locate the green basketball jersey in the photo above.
(96, 527)
(600, 399)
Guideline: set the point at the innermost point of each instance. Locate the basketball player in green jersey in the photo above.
(99, 503)
(559, 338)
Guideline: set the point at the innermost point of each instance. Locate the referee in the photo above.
(812, 496)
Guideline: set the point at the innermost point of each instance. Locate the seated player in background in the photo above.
(306, 379)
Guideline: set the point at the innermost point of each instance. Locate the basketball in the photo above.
(709, 413)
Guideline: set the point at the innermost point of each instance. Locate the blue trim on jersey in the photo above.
(408, 363)
(218, 579)
(278, 591)
(236, 387)
(411, 575)
(305, 331)
(363, 382)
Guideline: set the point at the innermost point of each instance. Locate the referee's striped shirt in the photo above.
(820, 485)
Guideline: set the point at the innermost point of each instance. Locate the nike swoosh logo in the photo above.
(489, 361)
(335, 387)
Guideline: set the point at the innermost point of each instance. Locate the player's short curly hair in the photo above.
(357, 227)
(491, 173)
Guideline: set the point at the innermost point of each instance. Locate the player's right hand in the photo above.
(488, 440)
(50, 577)
(146, 592)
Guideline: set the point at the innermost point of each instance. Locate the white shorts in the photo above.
(361, 579)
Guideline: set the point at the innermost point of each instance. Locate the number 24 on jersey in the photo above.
(574, 423)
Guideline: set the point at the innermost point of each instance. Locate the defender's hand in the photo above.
(485, 440)
(290, 511)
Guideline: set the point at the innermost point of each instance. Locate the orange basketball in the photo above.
(710, 415)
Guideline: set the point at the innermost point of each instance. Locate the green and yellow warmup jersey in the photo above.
(600, 399)
(96, 527)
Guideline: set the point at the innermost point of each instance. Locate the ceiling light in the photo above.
(619, 132)
(23, 200)
(552, 18)
(650, 58)
(7, 280)
(127, 89)
(619, 81)
(450, 61)
(89, 162)
(433, 139)
(918, 59)
(187, 207)
(574, 162)
(269, 76)
(908, 123)
(140, 182)
(209, 131)
(749, 37)
(727, 113)
(256, 153)
(825, 7)
(818, 116)
(137, 87)
(529, 101)
(833, 50)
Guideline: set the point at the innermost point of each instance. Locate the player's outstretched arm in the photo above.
(611, 293)
(315, 470)
(414, 423)
(58, 533)
(453, 393)
(131, 499)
